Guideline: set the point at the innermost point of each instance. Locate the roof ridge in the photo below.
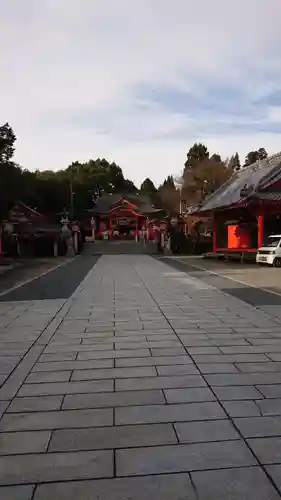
(259, 174)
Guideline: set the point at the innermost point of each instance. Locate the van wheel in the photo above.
(277, 262)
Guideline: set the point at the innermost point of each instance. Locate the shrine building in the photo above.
(122, 217)
(246, 209)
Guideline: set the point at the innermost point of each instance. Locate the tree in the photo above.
(169, 183)
(234, 163)
(254, 156)
(9, 172)
(262, 154)
(204, 179)
(129, 187)
(7, 141)
(169, 196)
(196, 154)
(50, 191)
(169, 199)
(216, 157)
(148, 186)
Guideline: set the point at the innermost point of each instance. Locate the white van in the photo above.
(270, 253)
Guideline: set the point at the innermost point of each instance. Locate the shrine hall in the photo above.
(246, 209)
(122, 217)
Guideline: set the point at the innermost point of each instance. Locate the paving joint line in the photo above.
(67, 304)
(276, 321)
(210, 387)
(65, 481)
(247, 285)
(29, 280)
(32, 345)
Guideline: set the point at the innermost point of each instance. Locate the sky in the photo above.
(139, 81)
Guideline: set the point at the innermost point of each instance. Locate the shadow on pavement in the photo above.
(255, 296)
(57, 284)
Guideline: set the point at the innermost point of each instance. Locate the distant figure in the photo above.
(158, 238)
(144, 235)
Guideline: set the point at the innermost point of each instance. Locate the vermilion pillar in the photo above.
(214, 236)
(260, 230)
(137, 228)
(110, 229)
(145, 236)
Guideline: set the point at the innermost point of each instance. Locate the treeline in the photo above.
(51, 192)
(76, 187)
(202, 174)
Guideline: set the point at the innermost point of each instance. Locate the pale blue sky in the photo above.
(139, 81)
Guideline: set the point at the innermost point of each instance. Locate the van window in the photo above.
(273, 242)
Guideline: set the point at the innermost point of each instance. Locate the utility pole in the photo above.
(71, 211)
(71, 201)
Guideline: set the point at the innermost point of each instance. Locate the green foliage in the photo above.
(234, 163)
(77, 186)
(216, 157)
(196, 154)
(50, 192)
(169, 196)
(7, 141)
(148, 187)
(204, 179)
(10, 174)
(168, 183)
(254, 156)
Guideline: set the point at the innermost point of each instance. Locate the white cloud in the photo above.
(274, 114)
(70, 73)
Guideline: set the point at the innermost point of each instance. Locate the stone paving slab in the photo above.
(13, 443)
(163, 487)
(236, 484)
(145, 383)
(46, 467)
(17, 492)
(181, 458)
(126, 436)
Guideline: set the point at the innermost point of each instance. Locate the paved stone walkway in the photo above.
(145, 384)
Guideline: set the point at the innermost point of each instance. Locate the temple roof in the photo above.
(108, 202)
(32, 228)
(255, 181)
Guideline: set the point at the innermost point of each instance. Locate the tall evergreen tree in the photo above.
(234, 163)
(148, 186)
(7, 141)
(254, 156)
(196, 154)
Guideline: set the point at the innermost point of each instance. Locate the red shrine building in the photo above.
(122, 217)
(247, 208)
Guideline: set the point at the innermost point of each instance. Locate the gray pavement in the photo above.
(145, 383)
(58, 283)
(260, 287)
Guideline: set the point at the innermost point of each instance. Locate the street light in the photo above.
(178, 181)
(204, 191)
(71, 201)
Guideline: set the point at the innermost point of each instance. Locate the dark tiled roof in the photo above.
(257, 177)
(270, 196)
(38, 227)
(106, 203)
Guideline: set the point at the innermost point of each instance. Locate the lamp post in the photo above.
(96, 193)
(71, 201)
(204, 190)
(71, 193)
(179, 185)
